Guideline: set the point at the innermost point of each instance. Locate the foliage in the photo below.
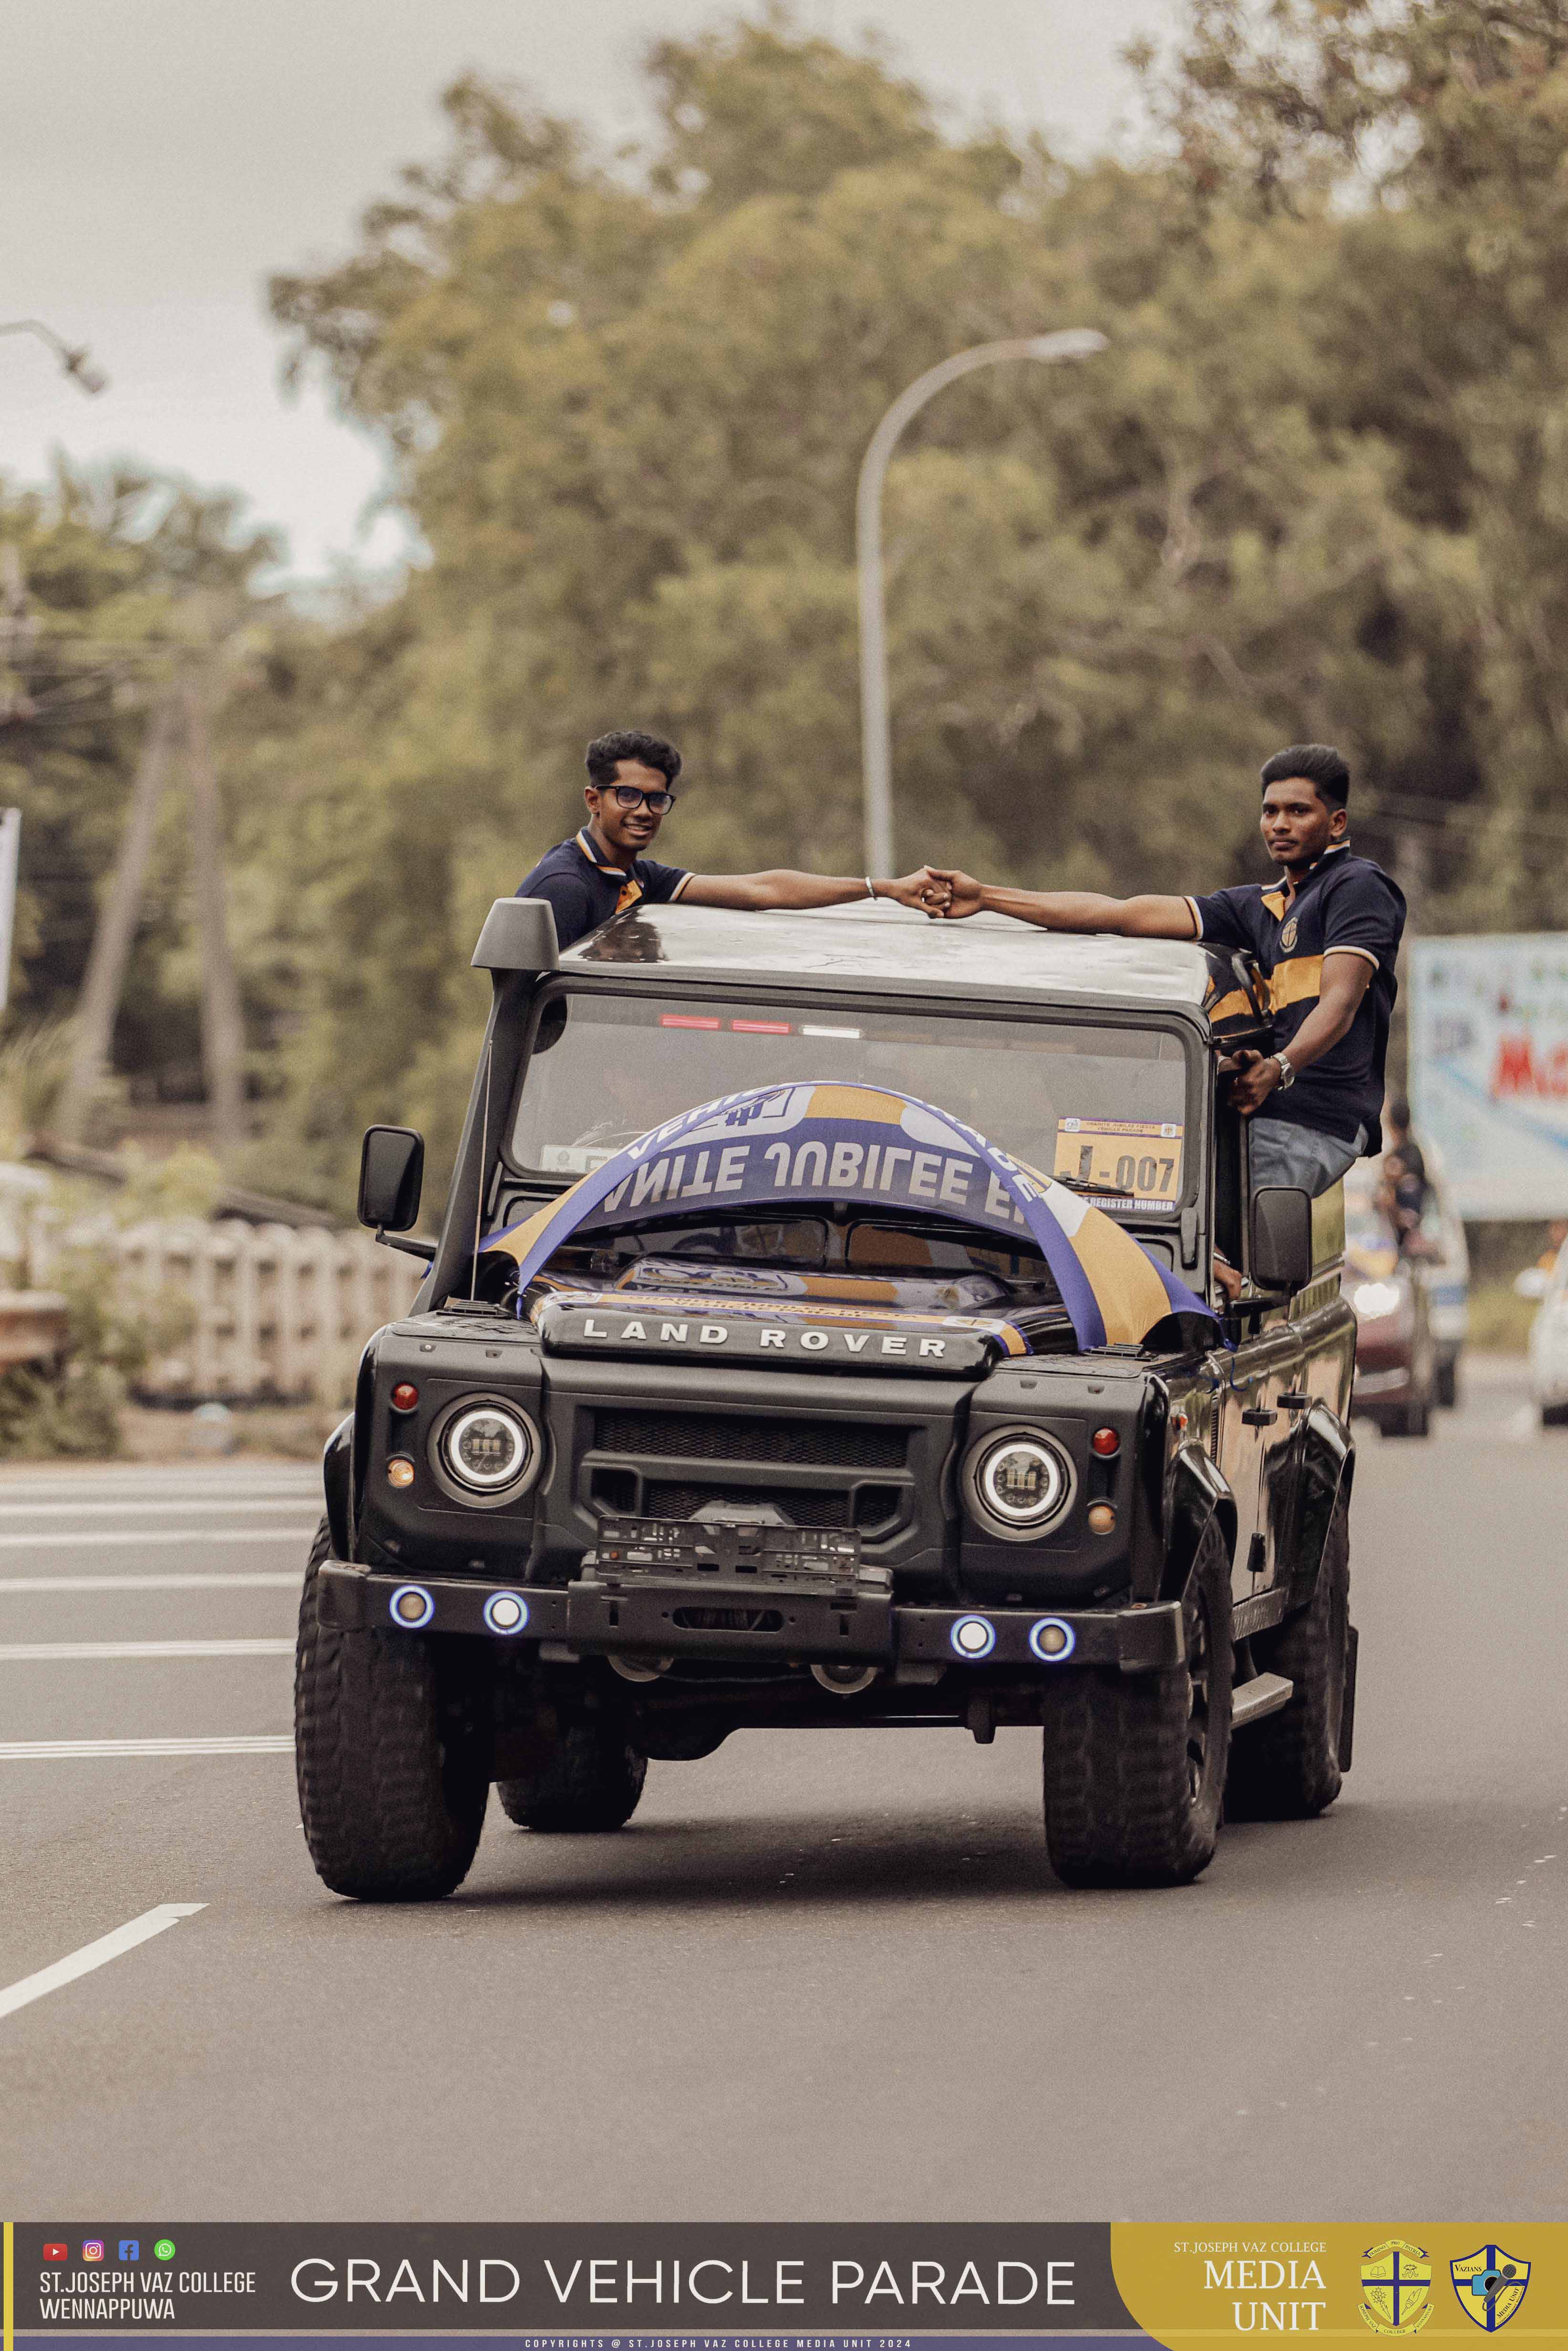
(73, 1406)
(1313, 489)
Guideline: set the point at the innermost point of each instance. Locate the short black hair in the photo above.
(606, 751)
(1318, 763)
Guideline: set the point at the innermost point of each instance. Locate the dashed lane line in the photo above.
(164, 1506)
(33, 1653)
(71, 1751)
(146, 1535)
(96, 1955)
(249, 1580)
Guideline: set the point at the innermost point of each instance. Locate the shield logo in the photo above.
(1288, 936)
(1490, 2285)
(1395, 2287)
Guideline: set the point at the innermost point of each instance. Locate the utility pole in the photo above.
(222, 1023)
(115, 934)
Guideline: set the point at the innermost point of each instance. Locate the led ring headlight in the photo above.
(486, 1450)
(1019, 1483)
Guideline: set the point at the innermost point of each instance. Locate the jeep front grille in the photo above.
(724, 1436)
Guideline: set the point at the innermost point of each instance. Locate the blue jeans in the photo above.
(1299, 1156)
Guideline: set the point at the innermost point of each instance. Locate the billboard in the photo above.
(1489, 1068)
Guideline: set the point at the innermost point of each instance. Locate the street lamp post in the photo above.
(876, 740)
(75, 359)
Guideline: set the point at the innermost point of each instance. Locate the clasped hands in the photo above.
(943, 892)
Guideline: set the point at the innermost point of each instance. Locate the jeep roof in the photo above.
(859, 947)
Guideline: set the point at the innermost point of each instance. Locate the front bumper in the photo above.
(591, 1618)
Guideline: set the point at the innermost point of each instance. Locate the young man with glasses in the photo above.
(602, 870)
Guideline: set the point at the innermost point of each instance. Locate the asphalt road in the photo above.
(818, 1978)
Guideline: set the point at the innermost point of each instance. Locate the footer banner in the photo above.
(780, 2286)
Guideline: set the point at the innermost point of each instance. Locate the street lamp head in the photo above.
(1068, 343)
(81, 363)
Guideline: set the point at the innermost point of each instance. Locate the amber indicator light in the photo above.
(400, 1471)
(1101, 1518)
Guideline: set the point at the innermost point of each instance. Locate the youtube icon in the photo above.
(56, 2253)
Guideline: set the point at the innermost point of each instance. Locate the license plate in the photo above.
(716, 1547)
(1133, 1162)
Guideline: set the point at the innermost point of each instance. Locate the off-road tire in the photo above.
(1287, 1767)
(389, 1753)
(1135, 1763)
(590, 1784)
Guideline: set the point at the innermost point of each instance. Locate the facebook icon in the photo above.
(130, 2249)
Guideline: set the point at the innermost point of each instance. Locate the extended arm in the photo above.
(781, 887)
(1068, 910)
(1346, 980)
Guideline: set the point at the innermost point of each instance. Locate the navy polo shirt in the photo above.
(582, 893)
(1344, 905)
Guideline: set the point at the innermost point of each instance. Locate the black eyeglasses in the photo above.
(627, 796)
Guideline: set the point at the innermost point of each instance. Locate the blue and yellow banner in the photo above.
(813, 1142)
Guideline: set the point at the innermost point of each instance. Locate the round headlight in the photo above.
(486, 1447)
(1019, 1484)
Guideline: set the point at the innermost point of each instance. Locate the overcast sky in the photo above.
(158, 158)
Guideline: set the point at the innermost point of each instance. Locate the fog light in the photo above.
(505, 1611)
(412, 1606)
(973, 1637)
(1104, 1442)
(404, 1396)
(1052, 1641)
(400, 1471)
(1101, 1518)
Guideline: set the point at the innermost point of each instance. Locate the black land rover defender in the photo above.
(565, 1535)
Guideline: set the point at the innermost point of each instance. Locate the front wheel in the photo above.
(1135, 1763)
(389, 1753)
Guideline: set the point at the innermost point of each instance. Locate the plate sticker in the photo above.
(1132, 1162)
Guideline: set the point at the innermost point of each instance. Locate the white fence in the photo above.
(280, 1314)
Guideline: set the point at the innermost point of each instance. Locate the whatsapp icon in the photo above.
(163, 2250)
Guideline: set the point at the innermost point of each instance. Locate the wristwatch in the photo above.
(1287, 1073)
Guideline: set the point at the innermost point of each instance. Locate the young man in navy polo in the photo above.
(1325, 939)
(601, 871)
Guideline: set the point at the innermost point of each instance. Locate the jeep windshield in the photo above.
(1103, 1106)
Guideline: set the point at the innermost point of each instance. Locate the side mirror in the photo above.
(1282, 1237)
(391, 1176)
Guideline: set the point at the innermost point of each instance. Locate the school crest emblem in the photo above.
(1395, 2288)
(1490, 2285)
(1288, 936)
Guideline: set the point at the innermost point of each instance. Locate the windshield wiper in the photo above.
(1081, 1184)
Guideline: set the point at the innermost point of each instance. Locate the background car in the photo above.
(1549, 1339)
(1395, 1353)
(1445, 1271)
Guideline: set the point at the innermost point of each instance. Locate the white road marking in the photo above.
(167, 1505)
(95, 1955)
(251, 1581)
(146, 1536)
(68, 1750)
(19, 1653)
